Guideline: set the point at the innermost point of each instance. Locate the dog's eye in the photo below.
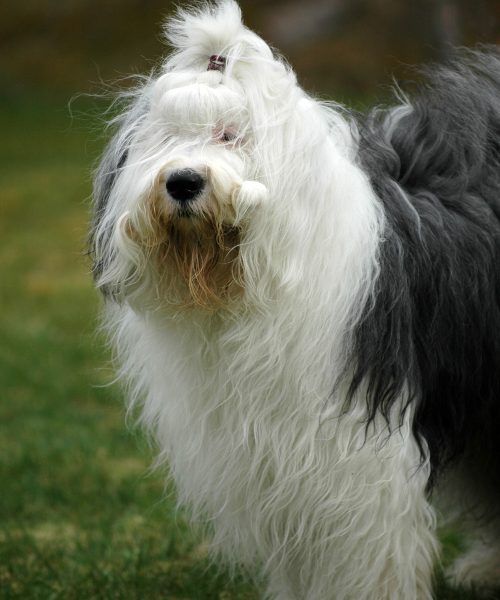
(226, 136)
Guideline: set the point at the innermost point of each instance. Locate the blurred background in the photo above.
(80, 514)
(337, 46)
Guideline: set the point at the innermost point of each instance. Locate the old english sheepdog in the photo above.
(305, 304)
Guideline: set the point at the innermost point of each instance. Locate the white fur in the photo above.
(240, 398)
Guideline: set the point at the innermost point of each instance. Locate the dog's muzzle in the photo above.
(184, 185)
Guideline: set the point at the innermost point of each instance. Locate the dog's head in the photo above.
(206, 166)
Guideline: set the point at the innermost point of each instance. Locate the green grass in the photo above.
(80, 516)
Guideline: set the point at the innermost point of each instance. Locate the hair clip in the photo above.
(216, 63)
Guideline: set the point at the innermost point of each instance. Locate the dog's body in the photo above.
(308, 310)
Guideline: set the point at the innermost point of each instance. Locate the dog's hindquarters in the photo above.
(435, 164)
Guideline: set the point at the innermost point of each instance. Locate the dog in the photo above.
(305, 304)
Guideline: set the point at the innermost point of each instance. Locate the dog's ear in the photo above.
(113, 161)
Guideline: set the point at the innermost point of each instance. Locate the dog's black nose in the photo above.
(184, 185)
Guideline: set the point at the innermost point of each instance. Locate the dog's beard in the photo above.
(204, 254)
(193, 259)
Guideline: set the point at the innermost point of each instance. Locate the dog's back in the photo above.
(435, 164)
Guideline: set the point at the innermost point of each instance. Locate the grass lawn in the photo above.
(80, 516)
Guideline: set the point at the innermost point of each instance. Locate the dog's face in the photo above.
(195, 175)
(180, 184)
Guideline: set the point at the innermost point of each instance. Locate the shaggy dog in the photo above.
(306, 305)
